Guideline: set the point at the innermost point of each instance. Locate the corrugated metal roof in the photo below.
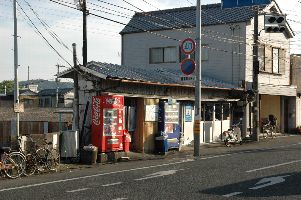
(152, 74)
(212, 14)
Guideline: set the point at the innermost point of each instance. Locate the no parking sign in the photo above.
(187, 66)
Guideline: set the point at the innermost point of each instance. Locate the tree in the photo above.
(9, 86)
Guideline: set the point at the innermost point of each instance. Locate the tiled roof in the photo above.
(212, 14)
(35, 114)
(151, 74)
(24, 92)
(52, 92)
(28, 92)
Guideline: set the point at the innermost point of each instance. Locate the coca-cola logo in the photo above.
(113, 101)
(96, 111)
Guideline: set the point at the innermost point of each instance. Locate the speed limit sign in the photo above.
(188, 46)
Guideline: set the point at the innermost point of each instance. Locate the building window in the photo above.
(275, 60)
(156, 55)
(261, 57)
(47, 102)
(163, 55)
(272, 60)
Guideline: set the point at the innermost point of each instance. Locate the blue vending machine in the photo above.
(169, 128)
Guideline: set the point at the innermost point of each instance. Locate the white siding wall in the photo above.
(221, 45)
(278, 40)
(218, 38)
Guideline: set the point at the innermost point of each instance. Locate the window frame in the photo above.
(278, 59)
(163, 55)
(262, 58)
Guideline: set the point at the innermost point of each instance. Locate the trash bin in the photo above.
(126, 141)
(161, 144)
(88, 154)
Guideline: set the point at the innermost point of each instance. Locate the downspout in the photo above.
(122, 50)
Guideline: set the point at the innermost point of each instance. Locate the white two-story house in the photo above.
(153, 38)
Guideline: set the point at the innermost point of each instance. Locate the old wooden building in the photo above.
(144, 89)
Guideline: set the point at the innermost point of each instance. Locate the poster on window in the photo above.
(151, 113)
(188, 113)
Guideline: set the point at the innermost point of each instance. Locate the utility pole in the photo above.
(76, 96)
(28, 77)
(57, 85)
(16, 88)
(198, 103)
(256, 103)
(84, 9)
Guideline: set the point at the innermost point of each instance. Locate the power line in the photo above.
(47, 28)
(132, 5)
(38, 31)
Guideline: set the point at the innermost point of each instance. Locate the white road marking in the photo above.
(111, 184)
(135, 169)
(273, 166)
(78, 190)
(232, 194)
(266, 182)
(120, 199)
(95, 175)
(158, 174)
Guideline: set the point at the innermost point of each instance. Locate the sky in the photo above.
(104, 41)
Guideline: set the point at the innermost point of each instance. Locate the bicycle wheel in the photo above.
(11, 168)
(53, 160)
(20, 160)
(41, 159)
(31, 165)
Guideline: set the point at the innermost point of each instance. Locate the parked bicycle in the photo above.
(30, 159)
(12, 165)
(233, 135)
(43, 158)
(48, 158)
(269, 127)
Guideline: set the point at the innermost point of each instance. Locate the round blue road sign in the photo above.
(187, 66)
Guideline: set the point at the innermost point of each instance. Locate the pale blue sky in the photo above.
(103, 36)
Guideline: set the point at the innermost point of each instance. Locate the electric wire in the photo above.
(216, 49)
(44, 38)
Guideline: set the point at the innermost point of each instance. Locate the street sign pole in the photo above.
(16, 88)
(256, 103)
(197, 104)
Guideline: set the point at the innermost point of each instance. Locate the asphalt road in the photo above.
(270, 169)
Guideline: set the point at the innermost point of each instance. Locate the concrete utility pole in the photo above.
(256, 103)
(76, 96)
(84, 9)
(16, 88)
(28, 77)
(57, 86)
(198, 102)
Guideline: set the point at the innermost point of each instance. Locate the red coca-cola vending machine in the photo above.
(108, 122)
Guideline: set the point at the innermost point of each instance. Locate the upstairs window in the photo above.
(275, 60)
(261, 58)
(272, 60)
(163, 55)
